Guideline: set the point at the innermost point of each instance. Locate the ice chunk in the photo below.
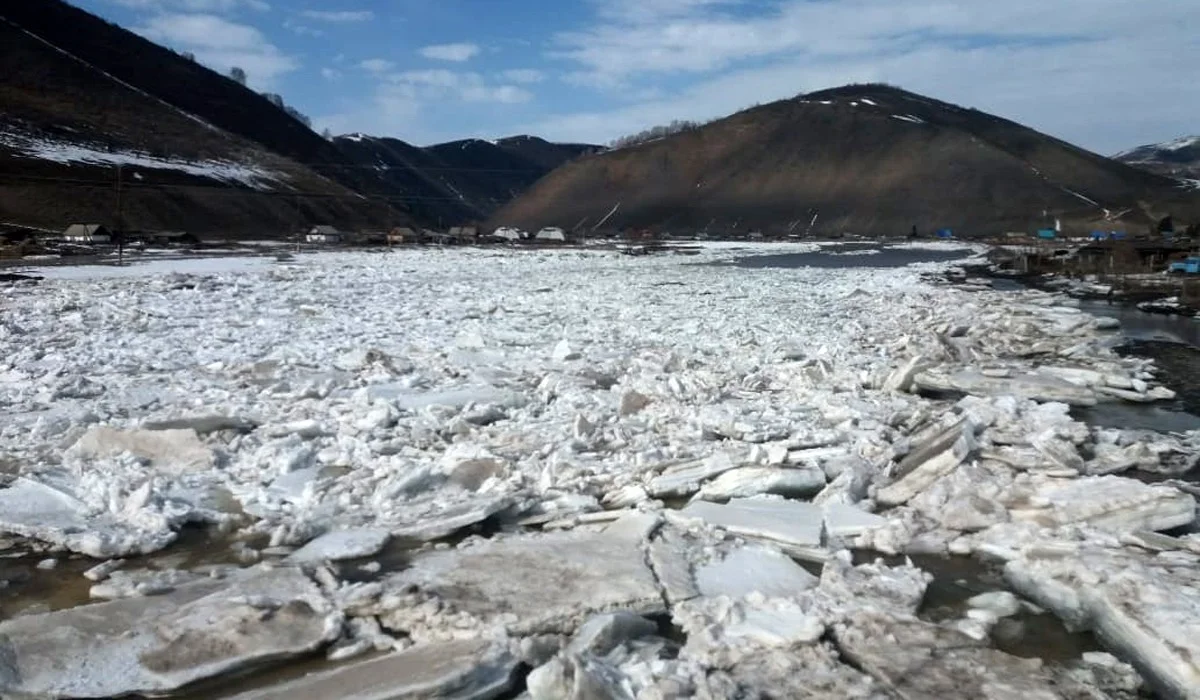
(463, 669)
(795, 526)
(563, 352)
(158, 644)
(603, 633)
(842, 520)
(929, 462)
(203, 425)
(901, 379)
(684, 479)
(632, 402)
(999, 603)
(177, 451)
(1105, 502)
(950, 663)
(342, 544)
(590, 572)
(1146, 607)
(753, 569)
(576, 677)
(35, 510)
(1029, 386)
(753, 481)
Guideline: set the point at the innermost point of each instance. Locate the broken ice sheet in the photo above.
(552, 580)
(160, 643)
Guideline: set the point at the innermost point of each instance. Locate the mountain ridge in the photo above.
(1175, 158)
(870, 159)
(201, 151)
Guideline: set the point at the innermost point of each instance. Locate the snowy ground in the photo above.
(315, 409)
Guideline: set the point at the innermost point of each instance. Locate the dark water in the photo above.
(1139, 325)
(829, 258)
(958, 579)
(1173, 342)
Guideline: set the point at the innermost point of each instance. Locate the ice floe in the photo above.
(640, 477)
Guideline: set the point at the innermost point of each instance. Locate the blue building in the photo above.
(945, 233)
(1047, 233)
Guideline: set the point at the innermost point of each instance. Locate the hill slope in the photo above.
(67, 123)
(1178, 158)
(451, 183)
(204, 153)
(865, 159)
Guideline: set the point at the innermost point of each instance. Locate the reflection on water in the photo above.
(854, 255)
(958, 579)
(1139, 325)
(1171, 418)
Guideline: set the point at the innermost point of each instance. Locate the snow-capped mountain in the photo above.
(1177, 158)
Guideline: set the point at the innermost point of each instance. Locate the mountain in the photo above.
(200, 151)
(197, 151)
(867, 159)
(1178, 158)
(545, 154)
(456, 182)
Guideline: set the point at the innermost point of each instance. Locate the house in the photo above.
(403, 234)
(369, 237)
(466, 233)
(87, 233)
(945, 233)
(323, 234)
(508, 234)
(1047, 234)
(1098, 235)
(168, 238)
(552, 233)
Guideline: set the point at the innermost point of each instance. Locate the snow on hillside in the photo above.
(70, 153)
(1150, 151)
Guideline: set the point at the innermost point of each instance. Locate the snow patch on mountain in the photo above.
(71, 153)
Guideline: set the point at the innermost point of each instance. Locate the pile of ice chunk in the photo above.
(638, 476)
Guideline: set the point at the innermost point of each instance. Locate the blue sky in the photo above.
(1106, 74)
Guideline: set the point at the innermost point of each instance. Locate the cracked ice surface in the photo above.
(336, 406)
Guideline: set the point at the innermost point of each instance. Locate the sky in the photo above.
(1104, 74)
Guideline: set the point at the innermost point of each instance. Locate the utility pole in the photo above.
(119, 227)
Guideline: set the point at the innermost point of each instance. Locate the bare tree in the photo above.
(238, 74)
(654, 133)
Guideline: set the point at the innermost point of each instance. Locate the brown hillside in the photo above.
(62, 117)
(865, 159)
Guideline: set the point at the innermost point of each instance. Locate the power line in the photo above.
(225, 189)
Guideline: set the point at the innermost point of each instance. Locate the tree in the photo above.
(238, 74)
(655, 133)
(189, 56)
(298, 115)
(327, 134)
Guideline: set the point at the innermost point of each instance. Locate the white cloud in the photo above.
(1057, 66)
(376, 65)
(195, 5)
(339, 16)
(441, 84)
(450, 52)
(331, 73)
(302, 29)
(221, 44)
(523, 75)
